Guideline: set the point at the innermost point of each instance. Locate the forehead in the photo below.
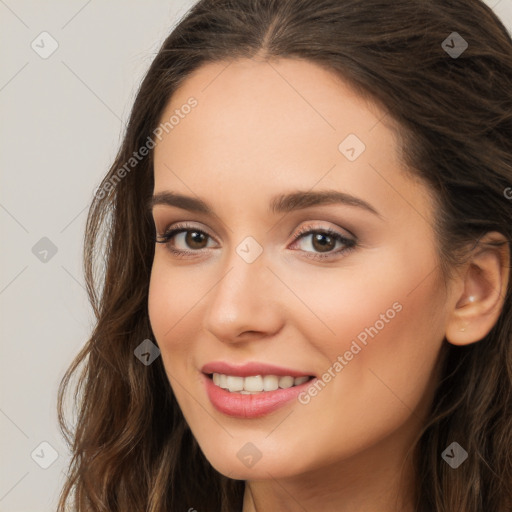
(274, 100)
(273, 126)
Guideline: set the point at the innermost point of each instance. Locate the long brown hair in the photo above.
(131, 447)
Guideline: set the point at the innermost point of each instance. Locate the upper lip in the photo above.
(251, 368)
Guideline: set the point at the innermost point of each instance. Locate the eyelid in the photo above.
(310, 226)
(172, 230)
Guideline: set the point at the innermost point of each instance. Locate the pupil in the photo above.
(324, 247)
(192, 238)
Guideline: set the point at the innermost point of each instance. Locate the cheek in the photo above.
(171, 300)
(380, 300)
(382, 353)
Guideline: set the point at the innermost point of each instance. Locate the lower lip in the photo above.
(250, 406)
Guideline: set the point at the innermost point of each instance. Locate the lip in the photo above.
(242, 406)
(252, 368)
(250, 406)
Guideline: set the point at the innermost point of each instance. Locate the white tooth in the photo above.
(285, 382)
(270, 382)
(234, 383)
(254, 383)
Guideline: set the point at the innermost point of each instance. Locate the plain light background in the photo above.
(63, 118)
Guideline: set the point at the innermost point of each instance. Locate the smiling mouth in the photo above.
(255, 384)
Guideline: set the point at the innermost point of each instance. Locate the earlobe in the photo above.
(484, 284)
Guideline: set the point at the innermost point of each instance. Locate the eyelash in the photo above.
(305, 230)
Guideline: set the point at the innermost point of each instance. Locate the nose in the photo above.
(246, 303)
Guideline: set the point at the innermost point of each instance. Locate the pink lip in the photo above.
(248, 369)
(250, 406)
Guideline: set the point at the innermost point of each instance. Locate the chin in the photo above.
(247, 464)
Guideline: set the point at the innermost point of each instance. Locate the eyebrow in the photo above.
(282, 203)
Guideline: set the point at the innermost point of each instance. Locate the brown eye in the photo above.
(185, 240)
(321, 243)
(195, 239)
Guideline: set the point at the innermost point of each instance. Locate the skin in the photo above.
(264, 128)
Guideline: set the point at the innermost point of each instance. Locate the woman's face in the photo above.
(361, 309)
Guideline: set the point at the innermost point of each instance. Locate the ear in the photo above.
(481, 290)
